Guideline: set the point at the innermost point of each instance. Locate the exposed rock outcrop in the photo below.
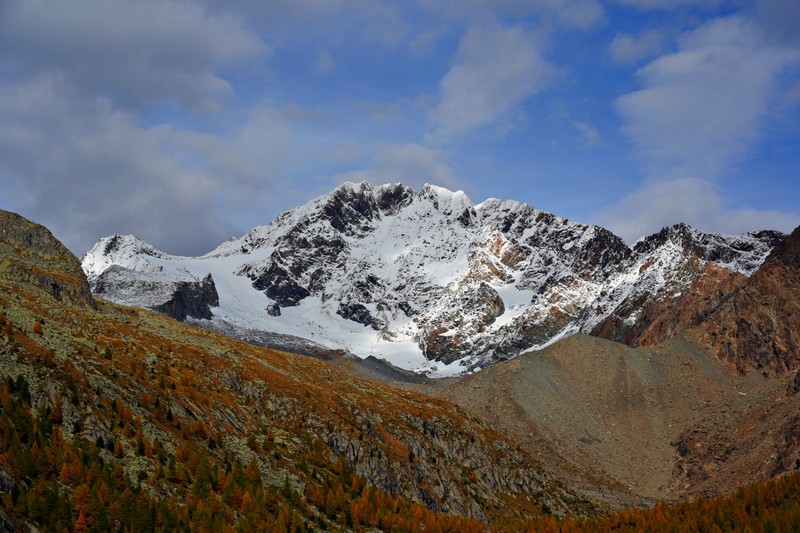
(659, 318)
(194, 299)
(178, 298)
(29, 254)
(758, 328)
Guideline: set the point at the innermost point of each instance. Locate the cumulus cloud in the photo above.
(495, 70)
(256, 153)
(86, 170)
(136, 53)
(627, 48)
(696, 202)
(700, 108)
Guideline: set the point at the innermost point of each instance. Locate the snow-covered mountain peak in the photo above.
(127, 251)
(422, 278)
(449, 203)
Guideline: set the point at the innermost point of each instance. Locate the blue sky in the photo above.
(187, 122)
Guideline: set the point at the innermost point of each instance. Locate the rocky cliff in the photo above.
(175, 293)
(758, 327)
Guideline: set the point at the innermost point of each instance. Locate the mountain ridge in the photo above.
(429, 281)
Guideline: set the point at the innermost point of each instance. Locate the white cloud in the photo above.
(137, 53)
(259, 151)
(87, 170)
(496, 69)
(267, 164)
(627, 48)
(701, 108)
(693, 201)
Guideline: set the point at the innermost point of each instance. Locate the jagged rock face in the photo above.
(30, 254)
(680, 275)
(427, 279)
(745, 253)
(553, 245)
(442, 344)
(757, 328)
(659, 318)
(794, 385)
(175, 293)
(176, 298)
(192, 299)
(359, 314)
(313, 251)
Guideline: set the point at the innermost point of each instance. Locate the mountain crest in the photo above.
(430, 281)
(128, 251)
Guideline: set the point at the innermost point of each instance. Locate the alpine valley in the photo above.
(384, 359)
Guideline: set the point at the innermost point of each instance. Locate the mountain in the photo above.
(120, 418)
(428, 281)
(118, 415)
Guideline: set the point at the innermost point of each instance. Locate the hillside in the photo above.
(758, 327)
(108, 410)
(612, 416)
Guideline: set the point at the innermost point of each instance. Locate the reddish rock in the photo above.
(758, 328)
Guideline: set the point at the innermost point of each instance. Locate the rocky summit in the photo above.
(431, 282)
